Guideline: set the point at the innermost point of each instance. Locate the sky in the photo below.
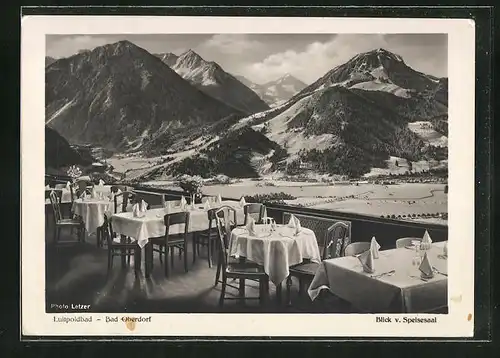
(266, 57)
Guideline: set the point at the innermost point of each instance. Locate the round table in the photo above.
(92, 212)
(275, 251)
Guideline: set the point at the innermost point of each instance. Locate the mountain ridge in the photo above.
(119, 95)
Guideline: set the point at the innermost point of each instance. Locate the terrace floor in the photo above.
(76, 273)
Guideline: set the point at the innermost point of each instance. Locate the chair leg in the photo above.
(222, 291)
(185, 256)
(217, 275)
(209, 254)
(195, 239)
(289, 283)
(55, 233)
(58, 236)
(97, 234)
(110, 260)
(172, 253)
(167, 264)
(161, 254)
(301, 286)
(129, 253)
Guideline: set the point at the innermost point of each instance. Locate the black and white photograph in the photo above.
(247, 173)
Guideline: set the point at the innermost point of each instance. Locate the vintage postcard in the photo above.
(247, 177)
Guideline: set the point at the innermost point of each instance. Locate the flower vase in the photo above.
(192, 201)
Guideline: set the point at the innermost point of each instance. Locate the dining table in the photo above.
(395, 286)
(275, 249)
(151, 225)
(92, 211)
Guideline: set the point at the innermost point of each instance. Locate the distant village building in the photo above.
(98, 167)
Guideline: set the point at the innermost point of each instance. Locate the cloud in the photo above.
(63, 46)
(232, 44)
(319, 57)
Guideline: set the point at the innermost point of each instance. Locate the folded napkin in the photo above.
(242, 201)
(366, 259)
(93, 193)
(143, 206)
(183, 202)
(426, 267)
(298, 227)
(219, 199)
(251, 226)
(137, 210)
(291, 222)
(206, 206)
(47, 187)
(101, 182)
(68, 185)
(374, 247)
(426, 241)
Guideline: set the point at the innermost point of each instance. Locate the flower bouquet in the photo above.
(191, 185)
(74, 172)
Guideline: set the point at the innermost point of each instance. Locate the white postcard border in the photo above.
(461, 60)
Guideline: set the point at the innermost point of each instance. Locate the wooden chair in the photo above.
(115, 188)
(225, 214)
(60, 222)
(237, 270)
(256, 211)
(406, 241)
(168, 242)
(333, 241)
(154, 200)
(207, 238)
(124, 249)
(126, 196)
(356, 248)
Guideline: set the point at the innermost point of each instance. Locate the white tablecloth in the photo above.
(66, 193)
(402, 291)
(92, 212)
(152, 225)
(276, 251)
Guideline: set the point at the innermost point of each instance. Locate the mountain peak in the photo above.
(190, 59)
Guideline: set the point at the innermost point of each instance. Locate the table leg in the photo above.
(278, 293)
(241, 290)
(148, 259)
(137, 258)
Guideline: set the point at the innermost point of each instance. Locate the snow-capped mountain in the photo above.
(377, 70)
(275, 92)
(210, 78)
(119, 96)
(354, 118)
(168, 58)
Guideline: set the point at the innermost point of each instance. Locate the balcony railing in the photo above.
(363, 227)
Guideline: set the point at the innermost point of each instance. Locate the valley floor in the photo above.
(370, 199)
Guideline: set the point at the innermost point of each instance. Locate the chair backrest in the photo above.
(212, 217)
(115, 188)
(256, 211)
(60, 186)
(320, 226)
(83, 186)
(228, 214)
(356, 248)
(152, 198)
(406, 241)
(210, 199)
(336, 240)
(126, 197)
(108, 230)
(55, 200)
(181, 218)
(224, 227)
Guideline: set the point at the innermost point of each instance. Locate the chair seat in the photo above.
(172, 240)
(213, 233)
(308, 268)
(69, 222)
(245, 268)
